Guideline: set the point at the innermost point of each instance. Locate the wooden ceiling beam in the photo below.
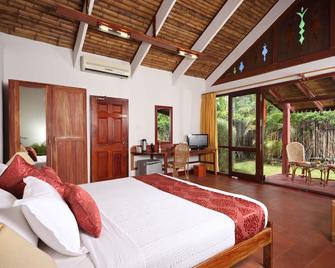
(308, 93)
(155, 27)
(207, 36)
(82, 30)
(308, 99)
(72, 14)
(275, 12)
(273, 92)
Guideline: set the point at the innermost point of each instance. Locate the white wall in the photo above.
(39, 62)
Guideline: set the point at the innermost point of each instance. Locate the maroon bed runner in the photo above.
(249, 218)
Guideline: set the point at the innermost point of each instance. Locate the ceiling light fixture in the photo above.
(187, 54)
(106, 29)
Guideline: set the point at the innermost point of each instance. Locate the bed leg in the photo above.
(268, 251)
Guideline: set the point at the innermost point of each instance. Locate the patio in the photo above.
(299, 183)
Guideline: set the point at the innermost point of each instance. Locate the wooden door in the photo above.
(109, 151)
(67, 126)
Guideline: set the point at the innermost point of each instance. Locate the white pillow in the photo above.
(14, 219)
(2, 168)
(50, 217)
(6, 199)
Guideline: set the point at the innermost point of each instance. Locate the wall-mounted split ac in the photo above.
(108, 66)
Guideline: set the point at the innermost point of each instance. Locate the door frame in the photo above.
(259, 150)
(92, 97)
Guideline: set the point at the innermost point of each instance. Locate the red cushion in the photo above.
(12, 178)
(32, 153)
(48, 175)
(84, 209)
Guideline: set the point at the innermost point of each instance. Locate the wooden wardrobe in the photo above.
(66, 128)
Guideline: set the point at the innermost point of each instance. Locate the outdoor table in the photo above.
(322, 167)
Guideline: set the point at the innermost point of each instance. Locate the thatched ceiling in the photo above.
(300, 94)
(35, 19)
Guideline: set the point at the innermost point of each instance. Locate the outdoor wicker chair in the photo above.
(296, 157)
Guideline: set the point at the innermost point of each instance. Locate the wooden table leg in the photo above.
(165, 164)
(333, 221)
(215, 164)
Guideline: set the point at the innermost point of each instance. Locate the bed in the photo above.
(145, 226)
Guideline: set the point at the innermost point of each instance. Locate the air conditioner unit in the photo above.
(110, 66)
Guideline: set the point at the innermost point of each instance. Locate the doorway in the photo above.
(240, 134)
(109, 137)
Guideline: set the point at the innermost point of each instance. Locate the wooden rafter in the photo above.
(82, 30)
(153, 30)
(278, 98)
(207, 36)
(308, 93)
(72, 14)
(251, 38)
(306, 99)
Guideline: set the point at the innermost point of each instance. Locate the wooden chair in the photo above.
(296, 157)
(180, 159)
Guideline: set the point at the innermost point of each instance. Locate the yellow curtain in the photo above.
(208, 124)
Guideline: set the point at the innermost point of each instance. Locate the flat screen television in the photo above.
(197, 141)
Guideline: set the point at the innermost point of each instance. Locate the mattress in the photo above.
(146, 227)
(63, 261)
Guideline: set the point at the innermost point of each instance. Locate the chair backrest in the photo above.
(181, 155)
(295, 152)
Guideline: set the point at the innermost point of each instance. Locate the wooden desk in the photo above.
(165, 154)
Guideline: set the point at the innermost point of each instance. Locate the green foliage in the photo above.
(41, 149)
(318, 117)
(272, 149)
(163, 125)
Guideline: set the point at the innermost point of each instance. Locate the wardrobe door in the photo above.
(68, 128)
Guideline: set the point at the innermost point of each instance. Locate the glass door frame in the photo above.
(258, 149)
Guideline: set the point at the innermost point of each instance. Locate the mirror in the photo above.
(33, 123)
(163, 124)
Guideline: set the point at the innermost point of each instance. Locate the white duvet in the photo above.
(146, 227)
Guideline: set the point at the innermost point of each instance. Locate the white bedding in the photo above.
(146, 227)
(63, 261)
(41, 161)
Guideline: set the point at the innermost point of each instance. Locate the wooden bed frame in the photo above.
(244, 249)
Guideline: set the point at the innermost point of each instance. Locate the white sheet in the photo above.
(62, 261)
(145, 227)
(41, 161)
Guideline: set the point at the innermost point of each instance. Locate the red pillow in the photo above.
(32, 153)
(49, 175)
(12, 178)
(84, 209)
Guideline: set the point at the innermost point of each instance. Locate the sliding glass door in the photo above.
(239, 119)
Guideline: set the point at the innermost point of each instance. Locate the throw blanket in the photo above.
(249, 217)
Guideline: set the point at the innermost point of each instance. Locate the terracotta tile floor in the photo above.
(301, 223)
(299, 183)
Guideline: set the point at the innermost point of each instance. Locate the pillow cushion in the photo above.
(12, 178)
(48, 175)
(24, 155)
(13, 218)
(50, 217)
(2, 168)
(6, 199)
(16, 252)
(84, 209)
(32, 153)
